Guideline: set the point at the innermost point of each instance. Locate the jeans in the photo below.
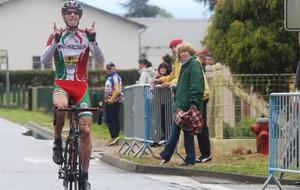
(189, 145)
(112, 119)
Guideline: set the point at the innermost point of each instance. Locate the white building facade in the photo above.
(155, 40)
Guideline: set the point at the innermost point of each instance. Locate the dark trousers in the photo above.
(112, 118)
(189, 145)
(203, 137)
(163, 122)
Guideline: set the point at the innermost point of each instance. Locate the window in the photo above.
(36, 63)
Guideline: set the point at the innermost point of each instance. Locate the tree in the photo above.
(249, 36)
(140, 8)
(211, 3)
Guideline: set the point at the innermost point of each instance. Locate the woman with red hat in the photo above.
(167, 81)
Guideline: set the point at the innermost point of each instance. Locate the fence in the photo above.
(147, 117)
(18, 96)
(238, 99)
(284, 130)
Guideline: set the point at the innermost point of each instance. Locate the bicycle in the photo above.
(71, 168)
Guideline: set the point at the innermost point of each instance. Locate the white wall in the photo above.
(161, 30)
(25, 26)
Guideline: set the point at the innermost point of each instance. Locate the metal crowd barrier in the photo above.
(147, 117)
(284, 144)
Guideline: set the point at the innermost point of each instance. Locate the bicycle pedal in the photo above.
(60, 175)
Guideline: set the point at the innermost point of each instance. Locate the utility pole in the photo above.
(4, 60)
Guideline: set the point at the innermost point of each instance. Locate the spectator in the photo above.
(163, 70)
(205, 57)
(167, 81)
(168, 60)
(190, 88)
(146, 71)
(203, 137)
(113, 99)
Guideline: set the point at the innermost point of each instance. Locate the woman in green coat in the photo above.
(190, 88)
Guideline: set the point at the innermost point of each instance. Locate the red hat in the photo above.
(175, 42)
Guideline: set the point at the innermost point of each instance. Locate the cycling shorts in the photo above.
(75, 91)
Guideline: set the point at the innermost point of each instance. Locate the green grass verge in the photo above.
(250, 164)
(45, 119)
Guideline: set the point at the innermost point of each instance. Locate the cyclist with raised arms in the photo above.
(70, 48)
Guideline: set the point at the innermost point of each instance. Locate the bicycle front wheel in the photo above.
(72, 169)
(76, 165)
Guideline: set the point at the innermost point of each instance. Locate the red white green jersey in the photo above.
(71, 55)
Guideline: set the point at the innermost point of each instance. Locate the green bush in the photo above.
(241, 130)
(244, 127)
(46, 78)
(228, 131)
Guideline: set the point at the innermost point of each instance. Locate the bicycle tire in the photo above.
(72, 175)
(75, 164)
(65, 165)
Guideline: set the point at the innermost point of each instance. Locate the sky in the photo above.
(182, 9)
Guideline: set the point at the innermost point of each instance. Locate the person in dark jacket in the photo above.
(297, 82)
(190, 89)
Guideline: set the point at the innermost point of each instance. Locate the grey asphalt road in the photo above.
(25, 164)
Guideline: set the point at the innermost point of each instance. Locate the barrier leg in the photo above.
(271, 176)
(142, 150)
(267, 182)
(131, 148)
(139, 150)
(125, 143)
(277, 182)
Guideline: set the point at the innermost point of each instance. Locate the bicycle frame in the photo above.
(71, 168)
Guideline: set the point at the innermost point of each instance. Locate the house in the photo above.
(154, 40)
(26, 25)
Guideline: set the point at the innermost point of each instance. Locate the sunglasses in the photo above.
(72, 12)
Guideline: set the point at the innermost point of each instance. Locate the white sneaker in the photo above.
(114, 141)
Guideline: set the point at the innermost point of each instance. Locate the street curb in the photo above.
(165, 170)
(43, 131)
(179, 171)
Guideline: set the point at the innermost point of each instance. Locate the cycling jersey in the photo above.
(71, 55)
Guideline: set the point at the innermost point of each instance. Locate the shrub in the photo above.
(46, 77)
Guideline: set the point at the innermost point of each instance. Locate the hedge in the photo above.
(46, 77)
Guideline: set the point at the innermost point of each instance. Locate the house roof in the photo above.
(90, 5)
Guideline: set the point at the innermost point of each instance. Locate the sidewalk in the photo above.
(110, 155)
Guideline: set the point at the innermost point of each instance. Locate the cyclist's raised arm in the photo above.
(51, 45)
(95, 48)
(97, 52)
